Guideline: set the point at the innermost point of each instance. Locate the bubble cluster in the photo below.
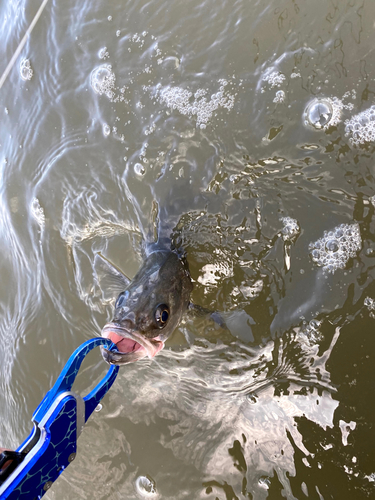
(196, 105)
(370, 304)
(279, 97)
(291, 228)
(103, 80)
(310, 334)
(149, 130)
(361, 127)
(26, 70)
(333, 251)
(274, 79)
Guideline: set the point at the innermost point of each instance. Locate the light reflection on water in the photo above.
(117, 117)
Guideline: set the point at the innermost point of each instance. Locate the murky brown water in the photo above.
(195, 113)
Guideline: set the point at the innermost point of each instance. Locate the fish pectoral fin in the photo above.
(200, 312)
(111, 280)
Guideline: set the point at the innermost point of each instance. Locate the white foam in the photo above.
(370, 304)
(361, 127)
(337, 108)
(196, 105)
(333, 251)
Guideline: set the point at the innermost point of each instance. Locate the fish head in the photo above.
(149, 309)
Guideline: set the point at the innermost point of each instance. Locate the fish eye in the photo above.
(121, 299)
(161, 315)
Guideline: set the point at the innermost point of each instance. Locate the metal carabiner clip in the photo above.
(58, 422)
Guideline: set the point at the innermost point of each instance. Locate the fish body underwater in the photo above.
(149, 308)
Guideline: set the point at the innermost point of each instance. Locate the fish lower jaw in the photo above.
(128, 347)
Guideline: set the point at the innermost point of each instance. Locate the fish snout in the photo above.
(123, 323)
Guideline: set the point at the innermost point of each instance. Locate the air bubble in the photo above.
(332, 245)
(333, 251)
(315, 254)
(340, 234)
(319, 113)
(139, 169)
(146, 487)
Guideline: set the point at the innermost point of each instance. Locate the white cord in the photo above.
(22, 43)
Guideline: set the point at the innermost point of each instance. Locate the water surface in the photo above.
(245, 129)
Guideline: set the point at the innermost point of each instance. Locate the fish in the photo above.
(148, 308)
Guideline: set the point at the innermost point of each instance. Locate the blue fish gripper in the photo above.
(58, 422)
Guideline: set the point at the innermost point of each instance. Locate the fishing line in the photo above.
(22, 43)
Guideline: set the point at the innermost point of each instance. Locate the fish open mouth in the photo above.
(130, 346)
